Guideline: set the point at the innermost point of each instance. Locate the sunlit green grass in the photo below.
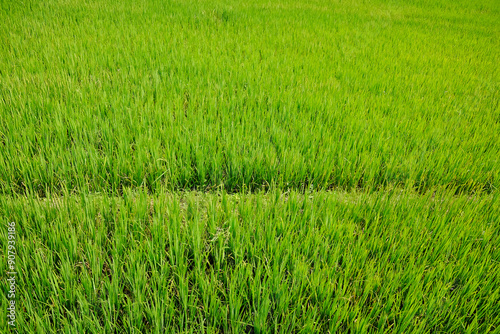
(98, 96)
(257, 263)
(251, 166)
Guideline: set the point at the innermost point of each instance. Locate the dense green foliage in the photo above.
(259, 263)
(216, 166)
(101, 95)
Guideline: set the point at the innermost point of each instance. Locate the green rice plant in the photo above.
(217, 166)
(392, 261)
(197, 95)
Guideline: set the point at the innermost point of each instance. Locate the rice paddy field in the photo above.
(220, 166)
